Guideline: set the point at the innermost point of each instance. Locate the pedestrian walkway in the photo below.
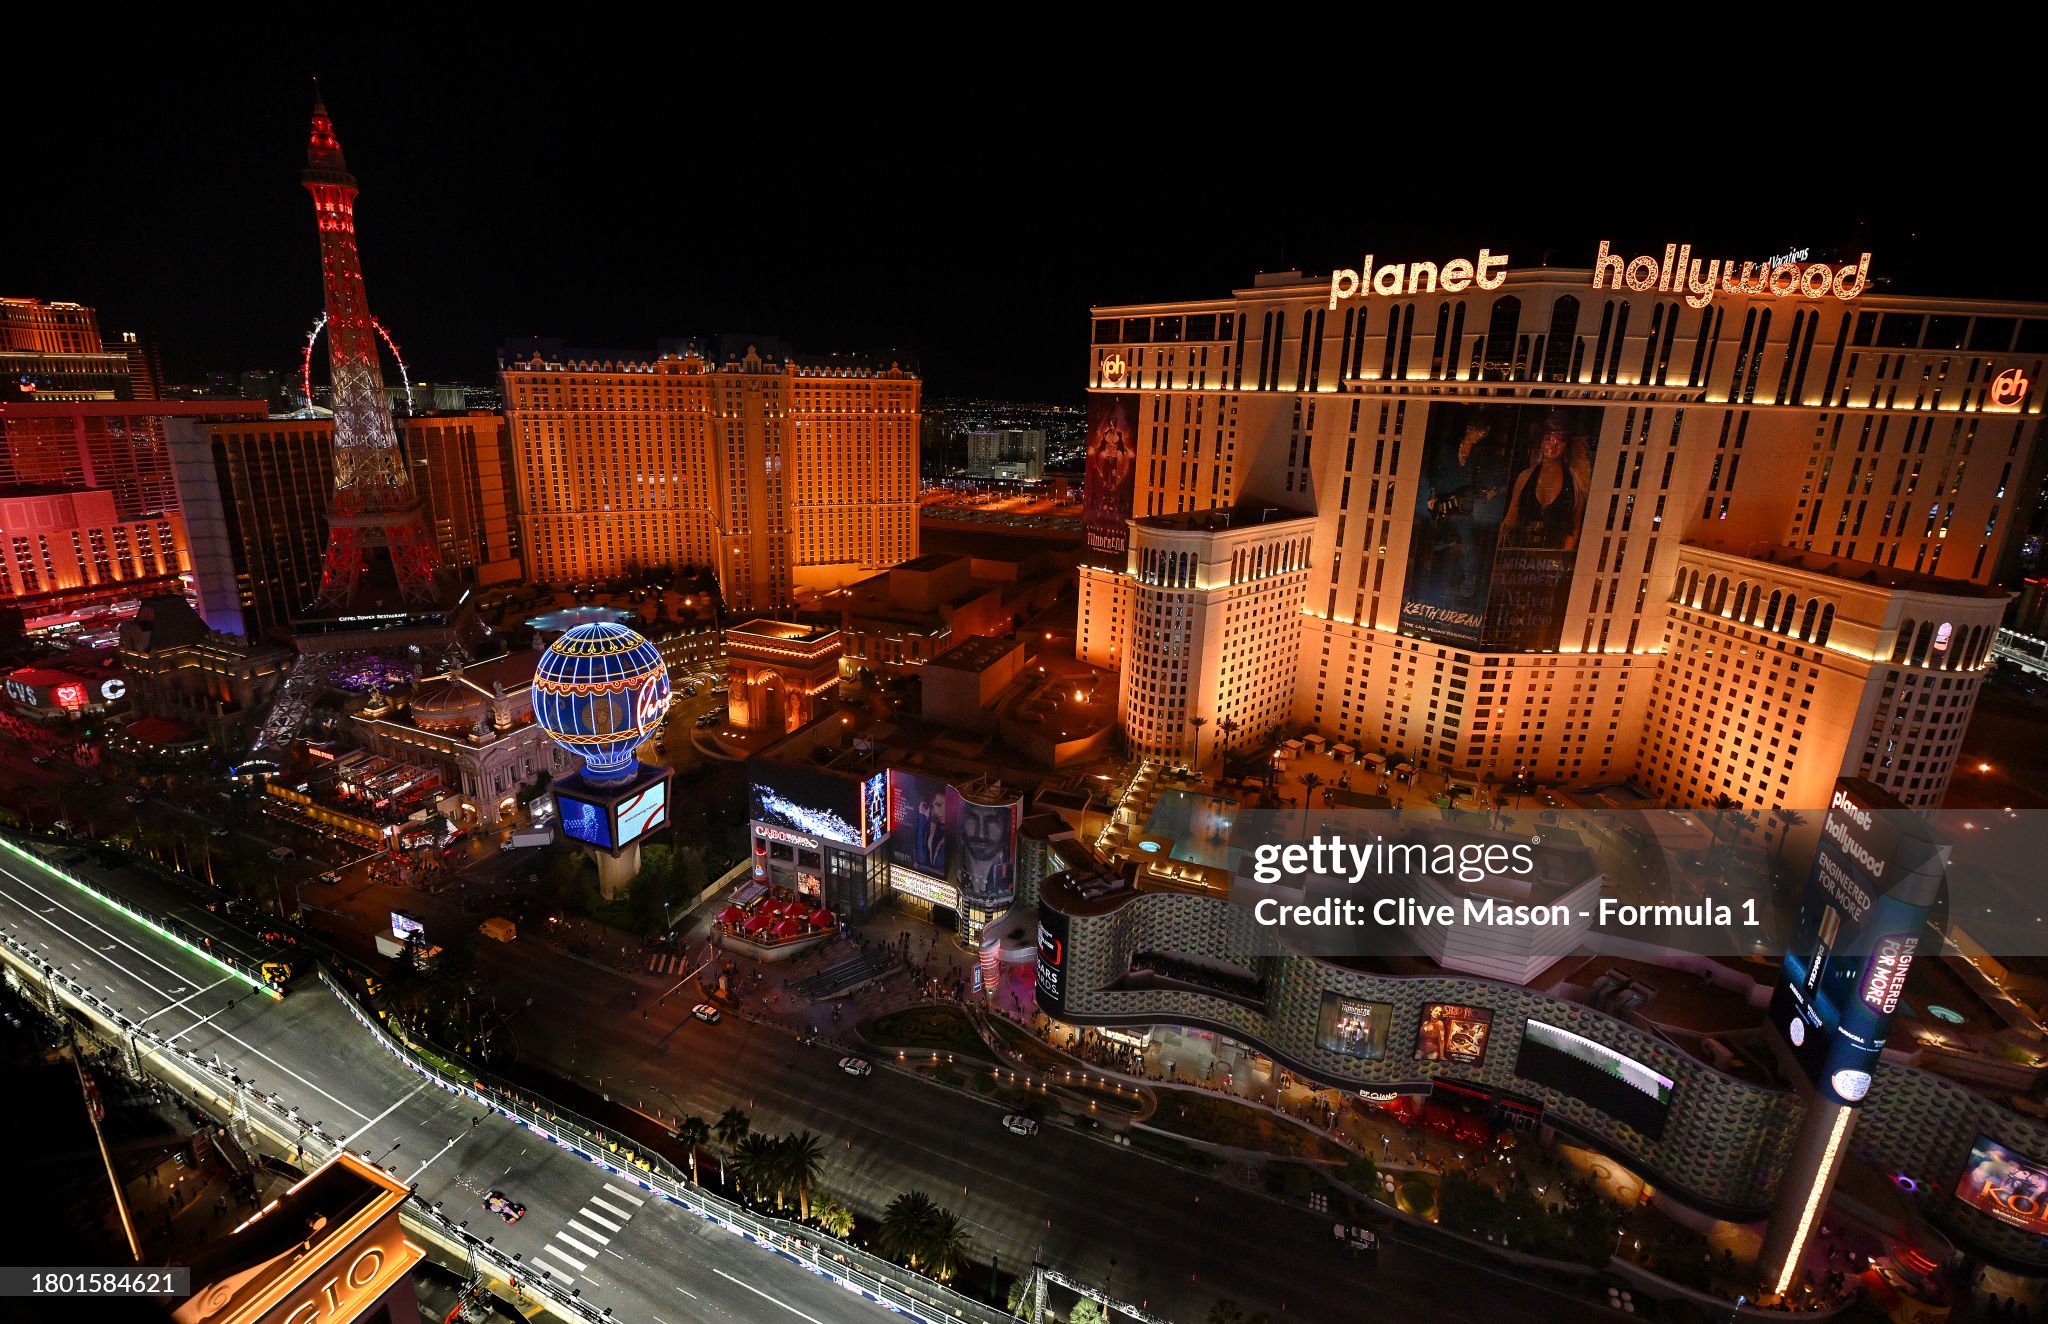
(602, 1217)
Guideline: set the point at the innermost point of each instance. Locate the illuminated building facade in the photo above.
(54, 352)
(781, 473)
(255, 500)
(781, 673)
(65, 552)
(1012, 454)
(1506, 471)
(182, 670)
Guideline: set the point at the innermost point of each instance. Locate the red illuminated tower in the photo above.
(381, 556)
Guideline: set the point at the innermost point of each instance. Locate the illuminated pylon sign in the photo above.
(373, 507)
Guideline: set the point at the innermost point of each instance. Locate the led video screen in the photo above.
(1352, 1027)
(644, 812)
(1454, 1033)
(1619, 1086)
(2009, 1188)
(585, 821)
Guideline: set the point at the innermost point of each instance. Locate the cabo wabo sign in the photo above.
(1677, 271)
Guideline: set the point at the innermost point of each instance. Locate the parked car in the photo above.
(41, 760)
(218, 832)
(135, 797)
(509, 1210)
(705, 1012)
(853, 1066)
(1019, 1124)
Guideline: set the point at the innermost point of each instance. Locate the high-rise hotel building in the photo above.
(1725, 536)
(779, 472)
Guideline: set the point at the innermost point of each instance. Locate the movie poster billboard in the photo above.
(919, 836)
(1453, 1033)
(2011, 1189)
(984, 855)
(1112, 467)
(1498, 513)
(1861, 922)
(1353, 1027)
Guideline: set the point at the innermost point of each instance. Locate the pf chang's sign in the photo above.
(1675, 271)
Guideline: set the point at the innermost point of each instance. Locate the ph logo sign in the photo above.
(1114, 370)
(2008, 390)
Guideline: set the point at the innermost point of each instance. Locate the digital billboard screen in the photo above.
(1111, 476)
(1875, 875)
(1497, 519)
(2009, 1188)
(874, 809)
(808, 800)
(919, 837)
(1052, 961)
(646, 811)
(1352, 1027)
(585, 821)
(1453, 1033)
(984, 855)
(1619, 1086)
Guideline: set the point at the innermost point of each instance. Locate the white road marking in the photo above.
(686, 1292)
(571, 1242)
(765, 1297)
(424, 1166)
(380, 1116)
(622, 1213)
(583, 1231)
(601, 1222)
(565, 1257)
(194, 1025)
(182, 1001)
(624, 1195)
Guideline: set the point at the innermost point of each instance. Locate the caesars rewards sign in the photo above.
(1675, 271)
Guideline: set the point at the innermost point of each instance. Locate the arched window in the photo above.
(1713, 586)
(1967, 658)
(1564, 323)
(1902, 645)
(1500, 338)
(1920, 643)
(1771, 616)
(1806, 621)
(1742, 599)
(1827, 624)
(1721, 598)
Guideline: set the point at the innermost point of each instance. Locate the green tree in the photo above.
(691, 1132)
(1198, 723)
(757, 1165)
(731, 1127)
(1788, 819)
(1227, 1312)
(907, 1226)
(802, 1159)
(1086, 1311)
(832, 1215)
(1468, 1204)
(946, 1252)
(1722, 806)
(1309, 782)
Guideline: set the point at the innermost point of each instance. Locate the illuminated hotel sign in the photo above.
(2008, 390)
(769, 832)
(926, 889)
(1679, 272)
(1418, 277)
(1115, 368)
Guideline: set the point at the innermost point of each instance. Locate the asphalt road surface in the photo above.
(616, 1243)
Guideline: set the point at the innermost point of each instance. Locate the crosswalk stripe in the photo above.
(624, 1195)
(601, 1222)
(565, 1257)
(572, 1242)
(581, 1230)
(622, 1213)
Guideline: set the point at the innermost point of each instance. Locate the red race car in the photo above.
(509, 1210)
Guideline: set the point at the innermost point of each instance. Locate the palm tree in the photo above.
(1227, 728)
(731, 1128)
(691, 1132)
(1787, 820)
(756, 1160)
(833, 1216)
(1198, 723)
(1309, 782)
(1723, 806)
(907, 1226)
(946, 1246)
(803, 1156)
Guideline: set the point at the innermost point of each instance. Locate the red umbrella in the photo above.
(756, 923)
(731, 915)
(789, 928)
(824, 919)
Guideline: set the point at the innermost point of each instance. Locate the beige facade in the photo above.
(782, 475)
(1874, 429)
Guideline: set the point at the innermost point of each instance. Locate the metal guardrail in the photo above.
(873, 1277)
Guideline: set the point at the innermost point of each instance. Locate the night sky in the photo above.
(965, 209)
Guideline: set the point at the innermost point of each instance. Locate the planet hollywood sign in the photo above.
(1675, 271)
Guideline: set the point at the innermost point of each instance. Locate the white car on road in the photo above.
(705, 1012)
(853, 1066)
(1019, 1124)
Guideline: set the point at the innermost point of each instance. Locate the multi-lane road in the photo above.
(616, 1243)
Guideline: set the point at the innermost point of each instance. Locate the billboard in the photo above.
(1877, 872)
(1621, 1087)
(2011, 1189)
(1052, 961)
(808, 800)
(1112, 470)
(1453, 1033)
(918, 834)
(984, 853)
(874, 809)
(1497, 518)
(1353, 1028)
(585, 820)
(644, 812)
